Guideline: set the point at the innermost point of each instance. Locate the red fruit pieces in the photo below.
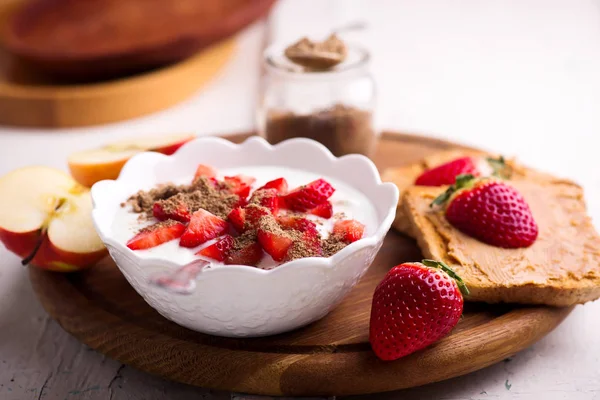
(205, 171)
(309, 196)
(156, 234)
(254, 214)
(218, 250)
(274, 243)
(279, 184)
(324, 210)
(494, 213)
(239, 184)
(250, 254)
(446, 174)
(413, 307)
(164, 210)
(349, 230)
(267, 198)
(237, 218)
(203, 226)
(312, 241)
(297, 223)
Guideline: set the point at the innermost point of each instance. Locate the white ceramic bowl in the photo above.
(239, 300)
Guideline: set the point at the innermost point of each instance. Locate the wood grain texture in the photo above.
(31, 99)
(329, 357)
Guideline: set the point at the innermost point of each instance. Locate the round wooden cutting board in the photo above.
(329, 357)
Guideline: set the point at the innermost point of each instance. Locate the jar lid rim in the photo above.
(361, 58)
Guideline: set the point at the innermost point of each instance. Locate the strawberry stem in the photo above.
(463, 181)
(501, 169)
(444, 267)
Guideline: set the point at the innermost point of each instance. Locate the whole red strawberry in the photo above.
(490, 211)
(446, 174)
(415, 305)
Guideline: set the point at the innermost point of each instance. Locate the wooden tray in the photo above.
(29, 98)
(329, 357)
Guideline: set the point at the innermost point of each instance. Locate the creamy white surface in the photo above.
(346, 199)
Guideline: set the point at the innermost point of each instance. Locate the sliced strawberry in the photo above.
(267, 198)
(324, 210)
(279, 184)
(239, 184)
(242, 202)
(218, 250)
(254, 213)
(163, 210)
(249, 255)
(297, 223)
(275, 244)
(312, 242)
(205, 171)
(203, 226)
(156, 234)
(349, 230)
(237, 217)
(309, 196)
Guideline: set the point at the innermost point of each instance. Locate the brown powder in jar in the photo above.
(342, 129)
(200, 194)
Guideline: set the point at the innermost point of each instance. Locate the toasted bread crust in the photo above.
(561, 269)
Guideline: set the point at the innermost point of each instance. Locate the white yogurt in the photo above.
(346, 199)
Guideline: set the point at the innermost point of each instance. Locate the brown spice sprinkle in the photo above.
(317, 55)
(332, 245)
(200, 194)
(162, 224)
(302, 246)
(245, 239)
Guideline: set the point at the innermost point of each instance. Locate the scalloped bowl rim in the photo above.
(130, 167)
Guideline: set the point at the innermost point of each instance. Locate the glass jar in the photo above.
(334, 107)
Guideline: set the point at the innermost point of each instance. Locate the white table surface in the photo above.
(518, 77)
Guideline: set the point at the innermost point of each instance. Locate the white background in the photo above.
(518, 77)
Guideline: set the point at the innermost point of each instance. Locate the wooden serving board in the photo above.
(329, 357)
(31, 99)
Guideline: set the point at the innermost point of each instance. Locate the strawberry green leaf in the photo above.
(501, 169)
(444, 267)
(463, 181)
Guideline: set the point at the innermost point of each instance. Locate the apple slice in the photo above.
(45, 218)
(91, 166)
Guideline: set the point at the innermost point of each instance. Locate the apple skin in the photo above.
(87, 175)
(48, 256)
(170, 149)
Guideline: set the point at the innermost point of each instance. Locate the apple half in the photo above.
(46, 219)
(91, 166)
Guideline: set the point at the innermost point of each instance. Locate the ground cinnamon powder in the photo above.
(342, 129)
(202, 193)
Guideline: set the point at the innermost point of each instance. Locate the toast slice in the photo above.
(404, 177)
(561, 268)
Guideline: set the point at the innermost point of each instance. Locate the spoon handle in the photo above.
(182, 280)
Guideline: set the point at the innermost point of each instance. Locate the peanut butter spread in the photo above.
(561, 268)
(404, 177)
